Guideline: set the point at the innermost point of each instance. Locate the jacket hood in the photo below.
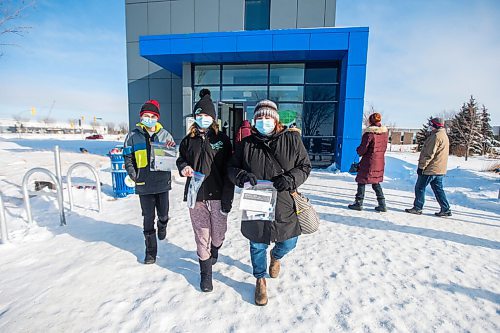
(376, 129)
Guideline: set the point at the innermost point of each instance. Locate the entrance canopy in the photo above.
(170, 51)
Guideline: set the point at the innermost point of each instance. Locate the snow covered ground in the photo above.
(362, 272)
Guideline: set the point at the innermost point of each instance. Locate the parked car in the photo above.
(94, 137)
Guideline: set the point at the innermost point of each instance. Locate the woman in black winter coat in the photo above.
(207, 150)
(272, 152)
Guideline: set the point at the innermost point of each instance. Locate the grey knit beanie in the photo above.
(266, 108)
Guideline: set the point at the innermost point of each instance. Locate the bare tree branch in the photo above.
(9, 14)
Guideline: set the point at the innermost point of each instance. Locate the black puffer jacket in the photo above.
(253, 156)
(209, 154)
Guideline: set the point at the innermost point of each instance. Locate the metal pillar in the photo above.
(3, 223)
(57, 160)
(97, 181)
(58, 193)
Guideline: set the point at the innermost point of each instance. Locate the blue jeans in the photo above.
(437, 187)
(258, 254)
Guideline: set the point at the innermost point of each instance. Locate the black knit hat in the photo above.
(206, 106)
(151, 106)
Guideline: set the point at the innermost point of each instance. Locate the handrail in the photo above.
(3, 223)
(97, 181)
(58, 190)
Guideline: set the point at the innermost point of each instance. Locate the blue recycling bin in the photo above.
(118, 174)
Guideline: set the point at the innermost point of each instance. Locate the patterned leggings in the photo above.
(209, 226)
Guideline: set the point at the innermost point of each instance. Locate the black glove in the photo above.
(244, 177)
(281, 183)
(225, 207)
(133, 177)
(420, 172)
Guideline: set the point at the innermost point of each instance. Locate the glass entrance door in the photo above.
(231, 115)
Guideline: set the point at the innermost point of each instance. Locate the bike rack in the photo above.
(97, 182)
(58, 193)
(3, 223)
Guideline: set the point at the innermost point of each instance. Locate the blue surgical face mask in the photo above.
(265, 126)
(204, 121)
(148, 122)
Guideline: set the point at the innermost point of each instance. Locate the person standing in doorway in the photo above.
(432, 166)
(371, 167)
(207, 150)
(151, 185)
(272, 152)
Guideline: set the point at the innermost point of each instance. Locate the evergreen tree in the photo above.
(486, 131)
(423, 134)
(465, 133)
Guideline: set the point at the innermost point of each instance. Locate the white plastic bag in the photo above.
(194, 186)
(258, 202)
(164, 157)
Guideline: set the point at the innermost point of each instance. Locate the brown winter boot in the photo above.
(274, 267)
(260, 292)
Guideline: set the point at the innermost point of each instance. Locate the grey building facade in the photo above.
(147, 80)
(288, 51)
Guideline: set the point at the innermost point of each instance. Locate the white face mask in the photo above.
(149, 122)
(204, 121)
(265, 126)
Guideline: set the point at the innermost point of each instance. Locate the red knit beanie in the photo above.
(151, 106)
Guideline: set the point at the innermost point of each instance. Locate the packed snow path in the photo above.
(362, 272)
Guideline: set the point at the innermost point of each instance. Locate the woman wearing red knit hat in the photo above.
(371, 167)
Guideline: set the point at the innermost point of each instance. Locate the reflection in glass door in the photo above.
(231, 117)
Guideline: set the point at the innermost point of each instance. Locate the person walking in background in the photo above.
(371, 167)
(151, 185)
(432, 166)
(244, 131)
(272, 152)
(207, 150)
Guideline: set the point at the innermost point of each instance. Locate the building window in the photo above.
(206, 74)
(286, 74)
(257, 14)
(244, 74)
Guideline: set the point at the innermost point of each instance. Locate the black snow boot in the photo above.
(151, 247)
(206, 275)
(381, 206)
(357, 205)
(162, 229)
(443, 213)
(380, 198)
(214, 253)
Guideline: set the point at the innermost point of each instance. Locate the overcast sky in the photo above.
(424, 57)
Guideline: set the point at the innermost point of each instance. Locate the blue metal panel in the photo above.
(154, 47)
(255, 43)
(358, 48)
(219, 44)
(186, 46)
(355, 81)
(291, 42)
(350, 125)
(329, 41)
